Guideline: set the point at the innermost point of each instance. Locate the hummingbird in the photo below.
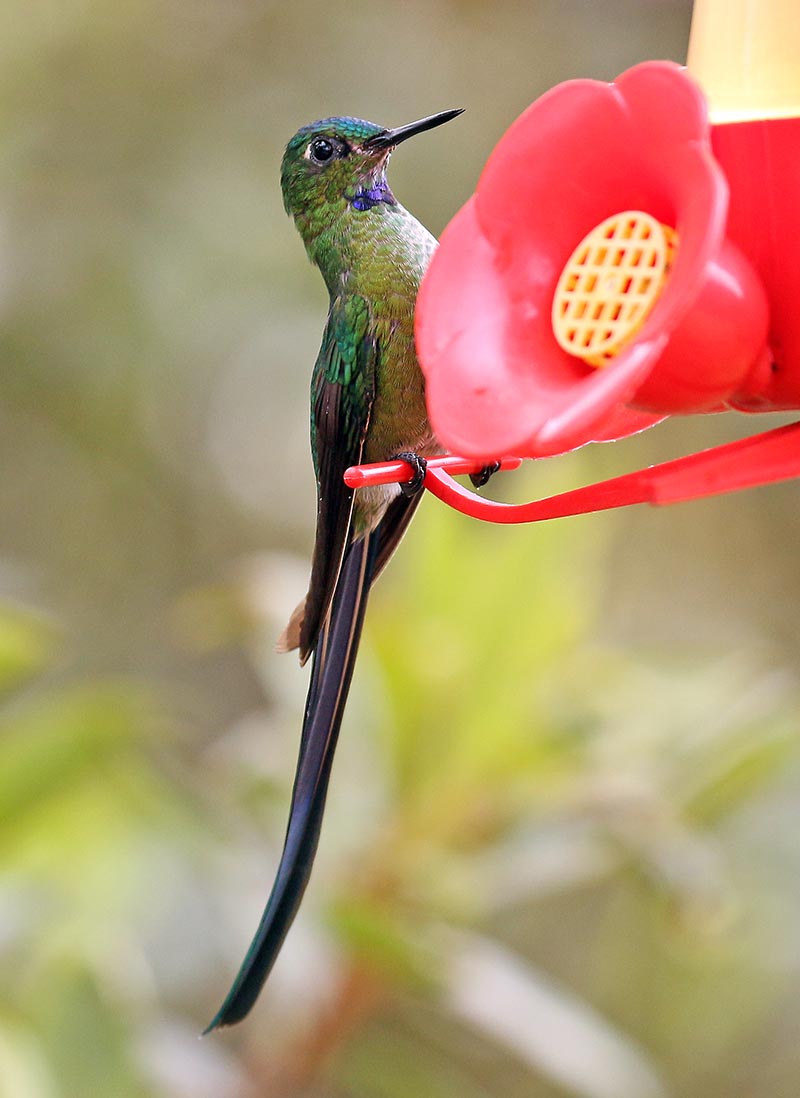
(367, 404)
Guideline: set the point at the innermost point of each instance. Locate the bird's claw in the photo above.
(419, 464)
(482, 476)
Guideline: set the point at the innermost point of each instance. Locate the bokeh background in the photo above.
(561, 851)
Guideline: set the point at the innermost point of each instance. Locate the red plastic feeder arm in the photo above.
(747, 463)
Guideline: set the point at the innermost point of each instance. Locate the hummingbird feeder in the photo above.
(630, 253)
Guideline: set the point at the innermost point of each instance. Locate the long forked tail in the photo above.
(332, 670)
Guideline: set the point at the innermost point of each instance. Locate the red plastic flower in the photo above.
(498, 381)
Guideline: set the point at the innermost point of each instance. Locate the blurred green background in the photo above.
(560, 855)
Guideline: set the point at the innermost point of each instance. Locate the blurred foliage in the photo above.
(560, 853)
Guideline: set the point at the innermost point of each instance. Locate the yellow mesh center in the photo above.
(610, 284)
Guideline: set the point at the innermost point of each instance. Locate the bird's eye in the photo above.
(321, 150)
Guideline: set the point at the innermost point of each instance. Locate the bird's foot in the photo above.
(482, 477)
(419, 464)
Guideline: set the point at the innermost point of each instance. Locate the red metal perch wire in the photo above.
(747, 463)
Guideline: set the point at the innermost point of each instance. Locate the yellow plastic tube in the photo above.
(745, 54)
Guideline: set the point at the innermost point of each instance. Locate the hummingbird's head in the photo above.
(339, 163)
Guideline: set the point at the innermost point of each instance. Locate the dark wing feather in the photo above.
(342, 392)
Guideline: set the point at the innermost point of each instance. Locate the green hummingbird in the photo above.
(367, 404)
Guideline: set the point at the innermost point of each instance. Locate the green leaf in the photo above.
(46, 746)
(27, 643)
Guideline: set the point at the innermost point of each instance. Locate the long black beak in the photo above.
(389, 138)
